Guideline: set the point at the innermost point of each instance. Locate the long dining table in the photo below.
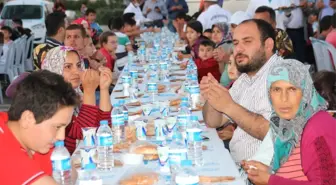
(217, 160)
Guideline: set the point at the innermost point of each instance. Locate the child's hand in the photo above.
(180, 56)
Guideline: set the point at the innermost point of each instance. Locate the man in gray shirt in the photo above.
(155, 10)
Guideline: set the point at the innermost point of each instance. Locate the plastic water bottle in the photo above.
(61, 165)
(124, 110)
(183, 118)
(194, 142)
(118, 122)
(194, 92)
(105, 146)
(187, 175)
(177, 154)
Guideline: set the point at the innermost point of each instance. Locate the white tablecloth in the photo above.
(217, 160)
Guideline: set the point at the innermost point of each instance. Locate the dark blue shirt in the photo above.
(171, 3)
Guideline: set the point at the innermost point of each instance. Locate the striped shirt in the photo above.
(88, 116)
(251, 93)
(292, 169)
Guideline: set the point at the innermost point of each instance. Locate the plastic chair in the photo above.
(325, 55)
(7, 67)
(20, 47)
(29, 54)
(23, 44)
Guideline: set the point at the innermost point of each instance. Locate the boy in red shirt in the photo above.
(41, 109)
(109, 43)
(206, 63)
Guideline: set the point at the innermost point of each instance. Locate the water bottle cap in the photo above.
(116, 105)
(186, 163)
(194, 118)
(90, 166)
(121, 102)
(103, 122)
(193, 77)
(184, 99)
(184, 104)
(59, 143)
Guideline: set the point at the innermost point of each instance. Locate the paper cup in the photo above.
(159, 129)
(88, 156)
(140, 130)
(163, 152)
(147, 109)
(89, 136)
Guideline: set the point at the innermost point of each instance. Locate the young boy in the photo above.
(109, 44)
(206, 63)
(124, 43)
(41, 109)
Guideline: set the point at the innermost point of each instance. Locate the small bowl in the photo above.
(132, 159)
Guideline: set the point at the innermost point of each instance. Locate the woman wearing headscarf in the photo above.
(65, 61)
(222, 37)
(303, 133)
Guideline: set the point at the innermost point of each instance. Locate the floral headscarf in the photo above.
(287, 133)
(54, 62)
(225, 29)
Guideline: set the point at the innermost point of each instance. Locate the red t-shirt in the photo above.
(16, 166)
(109, 58)
(207, 66)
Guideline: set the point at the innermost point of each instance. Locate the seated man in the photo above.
(325, 27)
(246, 103)
(283, 43)
(41, 109)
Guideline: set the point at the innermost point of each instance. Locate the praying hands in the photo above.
(215, 94)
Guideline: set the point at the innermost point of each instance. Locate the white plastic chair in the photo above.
(7, 67)
(325, 55)
(20, 47)
(23, 44)
(29, 54)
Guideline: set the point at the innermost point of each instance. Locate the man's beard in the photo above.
(254, 64)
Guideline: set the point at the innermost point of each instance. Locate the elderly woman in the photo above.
(66, 62)
(304, 135)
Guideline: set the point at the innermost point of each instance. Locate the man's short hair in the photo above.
(17, 21)
(8, 29)
(265, 29)
(325, 23)
(181, 15)
(333, 21)
(129, 15)
(208, 31)
(43, 93)
(130, 22)
(54, 22)
(269, 10)
(77, 27)
(90, 10)
(104, 37)
(116, 23)
(208, 42)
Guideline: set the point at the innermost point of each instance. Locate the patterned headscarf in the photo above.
(225, 29)
(54, 62)
(287, 133)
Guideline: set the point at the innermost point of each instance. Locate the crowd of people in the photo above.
(268, 109)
